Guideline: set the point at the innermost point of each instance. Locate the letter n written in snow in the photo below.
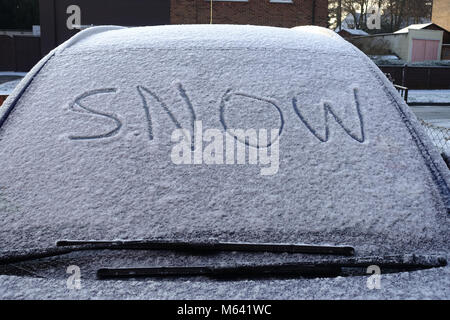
(149, 98)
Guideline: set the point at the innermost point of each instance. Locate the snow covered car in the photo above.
(215, 161)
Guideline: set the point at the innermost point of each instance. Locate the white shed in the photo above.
(421, 44)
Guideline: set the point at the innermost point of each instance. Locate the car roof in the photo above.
(204, 36)
(86, 142)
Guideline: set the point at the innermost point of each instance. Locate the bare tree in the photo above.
(396, 13)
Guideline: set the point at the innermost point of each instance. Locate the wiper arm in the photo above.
(301, 269)
(205, 246)
(69, 246)
(32, 254)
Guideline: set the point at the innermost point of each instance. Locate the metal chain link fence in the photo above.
(440, 136)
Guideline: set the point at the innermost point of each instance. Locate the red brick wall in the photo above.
(256, 12)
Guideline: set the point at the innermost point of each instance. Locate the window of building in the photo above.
(281, 1)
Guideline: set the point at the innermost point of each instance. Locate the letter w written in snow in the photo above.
(329, 112)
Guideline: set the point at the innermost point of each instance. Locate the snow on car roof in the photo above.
(205, 36)
(87, 143)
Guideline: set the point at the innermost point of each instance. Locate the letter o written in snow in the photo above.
(74, 20)
(256, 112)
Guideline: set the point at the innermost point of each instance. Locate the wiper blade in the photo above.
(69, 246)
(301, 269)
(206, 246)
(239, 271)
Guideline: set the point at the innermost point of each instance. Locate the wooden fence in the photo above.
(419, 77)
(19, 53)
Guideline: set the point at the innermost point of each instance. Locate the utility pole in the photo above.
(339, 15)
(211, 12)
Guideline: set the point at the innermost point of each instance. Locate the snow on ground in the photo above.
(440, 137)
(7, 87)
(384, 57)
(12, 74)
(436, 122)
(437, 115)
(429, 96)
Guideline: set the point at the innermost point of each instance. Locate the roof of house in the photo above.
(419, 27)
(414, 27)
(355, 32)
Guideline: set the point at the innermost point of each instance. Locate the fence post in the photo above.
(428, 78)
(404, 75)
(16, 64)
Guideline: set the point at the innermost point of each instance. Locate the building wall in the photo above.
(54, 16)
(400, 44)
(424, 35)
(446, 37)
(441, 13)
(255, 12)
(445, 55)
(384, 45)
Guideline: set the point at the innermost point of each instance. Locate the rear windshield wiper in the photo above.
(299, 269)
(205, 246)
(320, 268)
(238, 271)
(69, 246)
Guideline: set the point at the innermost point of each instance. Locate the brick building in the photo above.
(441, 18)
(441, 13)
(279, 13)
(62, 19)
